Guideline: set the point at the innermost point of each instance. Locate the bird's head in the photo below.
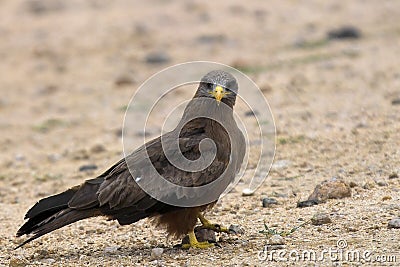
(220, 85)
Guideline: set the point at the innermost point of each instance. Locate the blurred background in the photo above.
(329, 69)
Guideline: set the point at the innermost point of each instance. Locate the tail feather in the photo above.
(52, 203)
(45, 208)
(52, 213)
(58, 220)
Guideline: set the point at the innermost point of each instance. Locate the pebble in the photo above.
(353, 184)
(268, 202)
(266, 88)
(345, 32)
(382, 183)
(247, 192)
(236, 229)
(334, 188)
(251, 113)
(307, 203)
(394, 223)
(18, 262)
(320, 219)
(19, 157)
(54, 157)
(112, 249)
(88, 167)
(124, 79)
(396, 101)
(393, 176)
(384, 198)
(156, 253)
(40, 7)
(369, 184)
(276, 240)
(97, 148)
(157, 58)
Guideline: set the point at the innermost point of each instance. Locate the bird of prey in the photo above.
(116, 194)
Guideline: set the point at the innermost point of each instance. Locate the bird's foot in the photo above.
(201, 245)
(212, 226)
(193, 243)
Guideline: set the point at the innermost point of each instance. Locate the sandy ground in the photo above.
(68, 69)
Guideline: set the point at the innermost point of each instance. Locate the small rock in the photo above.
(276, 240)
(251, 113)
(353, 184)
(307, 203)
(266, 88)
(369, 184)
(236, 229)
(386, 198)
(141, 28)
(351, 229)
(54, 157)
(110, 250)
(345, 32)
(156, 253)
(393, 176)
(88, 167)
(157, 58)
(40, 7)
(334, 188)
(19, 157)
(268, 202)
(124, 79)
(202, 235)
(394, 223)
(97, 148)
(320, 218)
(247, 192)
(396, 101)
(382, 183)
(118, 132)
(18, 262)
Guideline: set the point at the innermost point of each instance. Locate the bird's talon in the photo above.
(193, 243)
(216, 227)
(201, 245)
(212, 226)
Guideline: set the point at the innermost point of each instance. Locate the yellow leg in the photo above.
(193, 243)
(212, 226)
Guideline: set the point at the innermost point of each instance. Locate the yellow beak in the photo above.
(218, 93)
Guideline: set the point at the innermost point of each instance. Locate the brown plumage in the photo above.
(115, 193)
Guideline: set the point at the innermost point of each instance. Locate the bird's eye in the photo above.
(210, 86)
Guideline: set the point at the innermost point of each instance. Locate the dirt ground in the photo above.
(68, 69)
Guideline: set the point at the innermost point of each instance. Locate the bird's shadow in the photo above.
(138, 252)
(135, 251)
